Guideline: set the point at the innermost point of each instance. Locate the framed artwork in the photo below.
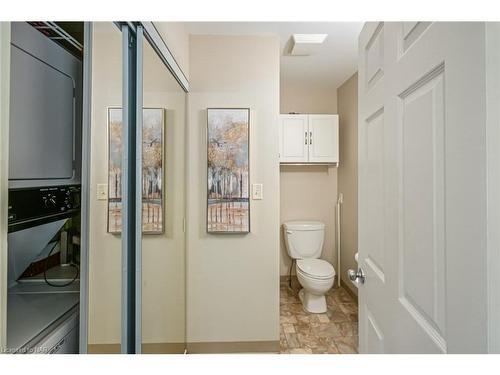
(228, 203)
(152, 170)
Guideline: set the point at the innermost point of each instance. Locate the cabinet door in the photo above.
(294, 139)
(323, 138)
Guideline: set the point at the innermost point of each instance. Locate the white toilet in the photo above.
(304, 242)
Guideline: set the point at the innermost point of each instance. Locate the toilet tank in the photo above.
(304, 239)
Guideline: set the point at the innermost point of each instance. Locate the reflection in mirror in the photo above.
(163, 248)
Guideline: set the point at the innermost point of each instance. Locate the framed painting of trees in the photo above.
(152, 170)
(228, 203)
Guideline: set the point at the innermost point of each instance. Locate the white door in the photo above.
(422, 188)
(323, 138)
(294, 141)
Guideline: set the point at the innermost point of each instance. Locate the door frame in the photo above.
(493, 181)
(4, 176)
(85, 183)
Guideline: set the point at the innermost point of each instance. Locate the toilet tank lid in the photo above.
(304, 225)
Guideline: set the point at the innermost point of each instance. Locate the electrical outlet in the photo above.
(257, 192)
(102, 192)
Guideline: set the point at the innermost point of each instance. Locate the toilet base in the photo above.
(312, 303)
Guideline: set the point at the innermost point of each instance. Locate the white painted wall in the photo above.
(307, 97)
(233, 280)
(4, 165)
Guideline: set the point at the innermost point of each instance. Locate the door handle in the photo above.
(305, 138)
(356, 276)
(310, 138)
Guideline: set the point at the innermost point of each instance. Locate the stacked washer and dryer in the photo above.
(44, 194)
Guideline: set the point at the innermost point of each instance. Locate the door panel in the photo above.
(411, 31)
(442, 77)
(422, 187)
(374, 337)
(294, 139)
(374, 172)
(422, 247)
(373, 55)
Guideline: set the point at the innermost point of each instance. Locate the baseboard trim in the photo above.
(103, 349)
(233, 347)
(147, 348)
(348, 289)
(286, 278)
(164, 348)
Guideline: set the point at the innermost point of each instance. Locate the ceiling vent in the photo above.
(306, 44)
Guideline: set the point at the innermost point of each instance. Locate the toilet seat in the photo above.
(318, 269)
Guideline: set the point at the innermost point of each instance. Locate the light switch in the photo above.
(257, 192)
(102, 191)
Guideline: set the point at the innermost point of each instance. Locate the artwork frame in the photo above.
(236, 209)
(156, 227)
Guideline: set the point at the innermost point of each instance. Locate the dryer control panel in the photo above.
(34, 206)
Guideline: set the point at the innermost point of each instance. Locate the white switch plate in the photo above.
(102, 191)
(257, 191)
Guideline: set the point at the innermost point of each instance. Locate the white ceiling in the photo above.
(329, 68)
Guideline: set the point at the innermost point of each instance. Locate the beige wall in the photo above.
(176, 36)
(163, 255)
(348, 174)
(309, 193)
(163, 259)
(233, 280)
(305, 97)
(4, 165)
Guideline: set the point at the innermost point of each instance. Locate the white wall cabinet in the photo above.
(294, 141)
(309, 139)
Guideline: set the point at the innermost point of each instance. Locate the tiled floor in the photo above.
(335, 331)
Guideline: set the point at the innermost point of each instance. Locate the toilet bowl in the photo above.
(316, 277)
(304, 243)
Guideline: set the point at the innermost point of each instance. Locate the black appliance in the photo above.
(29, 207)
